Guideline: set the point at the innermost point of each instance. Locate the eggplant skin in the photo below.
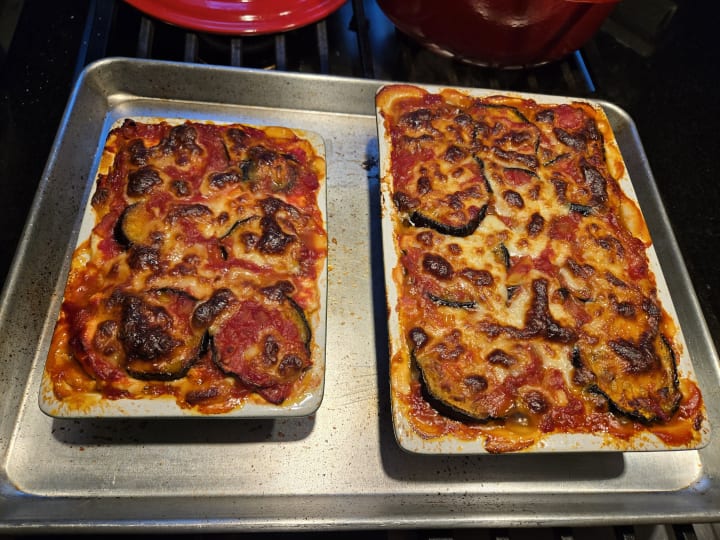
(418, 219)
(581, 209)
(131, 227)
(119, 234)
(446, 302)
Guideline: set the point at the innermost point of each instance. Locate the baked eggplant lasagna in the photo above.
(200, 279)
(523, 298)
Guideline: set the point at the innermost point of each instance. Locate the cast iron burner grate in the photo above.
(358, 41)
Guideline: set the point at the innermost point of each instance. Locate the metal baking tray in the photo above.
(340, 468)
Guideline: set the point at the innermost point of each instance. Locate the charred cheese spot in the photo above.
(437, 266)
(536, 224)
(206, 312)
(138, 153)
(500, 357)
(181, 144)
(142, 181)
(180, 187)
(144, 258)
(513, 198)
(273, 240)
(219, 180)
(480, 278)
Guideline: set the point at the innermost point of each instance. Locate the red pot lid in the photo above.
(239, 17)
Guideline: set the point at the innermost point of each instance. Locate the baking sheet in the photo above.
(304, 403)
(340, 468)
(412, 440)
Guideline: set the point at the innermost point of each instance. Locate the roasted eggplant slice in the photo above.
(134, 226)
(458, 376)
(146, 336)
(157, 336)
(638, 378)
(265, 168)
(452, 202)
(264, 341)
(275, 235)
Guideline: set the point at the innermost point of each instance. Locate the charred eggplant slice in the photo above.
(264, 341)
(639, 379)
(157, 336)
(146, 336)
(275, 234)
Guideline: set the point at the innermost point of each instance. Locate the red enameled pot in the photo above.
(506, 33)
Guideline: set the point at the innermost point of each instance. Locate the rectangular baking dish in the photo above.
(303, 404)
(559, 441)
(340, 468)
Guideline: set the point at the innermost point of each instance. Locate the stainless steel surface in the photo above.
(341, 468)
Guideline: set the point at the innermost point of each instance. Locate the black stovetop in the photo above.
(665, 76)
